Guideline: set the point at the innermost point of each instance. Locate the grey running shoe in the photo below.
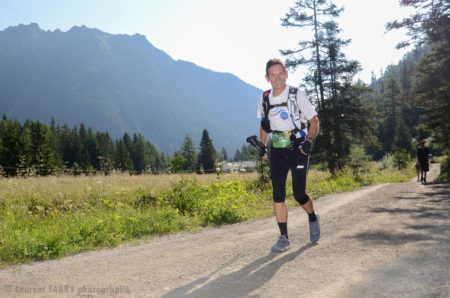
(314, 231)
(282, 244)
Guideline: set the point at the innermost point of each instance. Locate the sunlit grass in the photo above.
(119, 185)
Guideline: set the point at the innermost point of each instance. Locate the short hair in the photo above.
(272, 62)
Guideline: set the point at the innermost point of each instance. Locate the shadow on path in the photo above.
(423, 271)
(239, 283)
(434, 204)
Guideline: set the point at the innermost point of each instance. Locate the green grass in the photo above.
(444, 160)
(40, 238)
(49, 217)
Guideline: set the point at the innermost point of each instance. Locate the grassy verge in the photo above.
(444, 175)
(49, 217)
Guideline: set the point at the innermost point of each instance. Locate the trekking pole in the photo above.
(262, 150)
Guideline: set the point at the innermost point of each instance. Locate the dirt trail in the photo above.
(382, 241)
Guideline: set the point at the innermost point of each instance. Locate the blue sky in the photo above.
(236, 36)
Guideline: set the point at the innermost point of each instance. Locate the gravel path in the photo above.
(382, 241)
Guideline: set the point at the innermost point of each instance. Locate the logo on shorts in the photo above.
(300, 167)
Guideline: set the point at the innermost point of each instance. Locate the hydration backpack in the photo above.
(291, 104)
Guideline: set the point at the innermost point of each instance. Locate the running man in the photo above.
(285, 112)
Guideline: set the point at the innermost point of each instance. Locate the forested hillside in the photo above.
(409, 102)
(398, 113)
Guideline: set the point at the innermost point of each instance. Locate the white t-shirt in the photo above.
(280, 117)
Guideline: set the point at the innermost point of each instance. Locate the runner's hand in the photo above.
(305, 147)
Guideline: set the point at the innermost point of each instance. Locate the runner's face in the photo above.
(277, 76)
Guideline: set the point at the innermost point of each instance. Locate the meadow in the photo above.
(49, 217)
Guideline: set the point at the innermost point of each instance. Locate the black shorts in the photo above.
(424, 165)
(283, 160)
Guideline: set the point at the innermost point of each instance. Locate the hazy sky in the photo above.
(236, 36)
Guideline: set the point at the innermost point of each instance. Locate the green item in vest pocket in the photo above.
(281, 140)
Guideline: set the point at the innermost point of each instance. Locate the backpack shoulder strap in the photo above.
(266, 103)
(293, 106)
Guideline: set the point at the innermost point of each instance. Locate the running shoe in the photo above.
(282, 244)
(314, 231)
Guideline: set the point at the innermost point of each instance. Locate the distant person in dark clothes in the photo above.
(422, 159)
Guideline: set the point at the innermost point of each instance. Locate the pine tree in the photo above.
(92, 150)
(105, 152)
(207, 155)
(11, 145)
(43, 157)
(159, 163)
(223, 156)
(139, 154)
(189, 154)
(246, 152)
(84, 155)
(429, 23)
(432, 92)
(356, 121)
(390, 97)
(123, 160)
(54, 130)
(178, 163)
(70, 147)
(237, 155)
(157, 160)
(329, 81)
(310, 15)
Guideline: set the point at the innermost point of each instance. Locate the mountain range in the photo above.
(120, 83)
